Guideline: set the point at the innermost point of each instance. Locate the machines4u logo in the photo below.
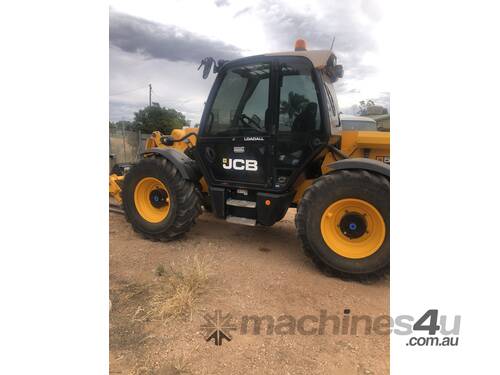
(431, 329)
(218, 327)
(239, 164)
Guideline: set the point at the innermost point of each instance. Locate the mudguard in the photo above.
(187, 167)
(361, 163)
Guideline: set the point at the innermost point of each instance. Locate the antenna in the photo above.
(333, 41)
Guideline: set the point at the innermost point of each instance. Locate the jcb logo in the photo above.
(239, 164)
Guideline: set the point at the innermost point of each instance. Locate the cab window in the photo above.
(299, 109)
(332, 114)
(241, 102)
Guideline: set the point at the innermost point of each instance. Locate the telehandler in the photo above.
(270, 138)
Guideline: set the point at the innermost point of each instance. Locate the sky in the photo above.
(163, 42)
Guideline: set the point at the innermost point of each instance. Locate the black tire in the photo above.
(358, 184)
(185, 204)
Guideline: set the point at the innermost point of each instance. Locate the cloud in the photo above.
(143, 51)
(168, 42)
(384, 100)
(353, 38)
(221, 3)
(371, 9)
(242, 11)
(176, 85)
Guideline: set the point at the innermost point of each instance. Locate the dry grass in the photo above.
(181, 364)
(160, 270)
(186, 283)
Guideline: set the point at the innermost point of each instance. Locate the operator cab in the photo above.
(267, 117)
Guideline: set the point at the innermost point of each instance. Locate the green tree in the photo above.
(369, 107)
(153, 118)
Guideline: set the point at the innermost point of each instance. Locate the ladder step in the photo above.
(241, 220)
(241, 203)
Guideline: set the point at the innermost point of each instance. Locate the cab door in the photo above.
(301, 131)
(235, 142)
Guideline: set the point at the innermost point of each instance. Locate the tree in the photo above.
(369, 107)
(155, 117)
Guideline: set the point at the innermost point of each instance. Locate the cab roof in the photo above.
(319, 58)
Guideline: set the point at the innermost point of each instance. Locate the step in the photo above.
(241, 220)
(241, 203)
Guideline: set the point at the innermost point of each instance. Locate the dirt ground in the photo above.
(256, 271)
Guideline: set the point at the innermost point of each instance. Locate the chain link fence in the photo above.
(125, 146)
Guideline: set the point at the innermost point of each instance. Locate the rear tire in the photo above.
(343, 223)
(158, 202)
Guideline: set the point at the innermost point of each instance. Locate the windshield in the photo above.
(241, 102)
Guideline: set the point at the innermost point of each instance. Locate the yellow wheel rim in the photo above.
(353, 228)
(152, 199)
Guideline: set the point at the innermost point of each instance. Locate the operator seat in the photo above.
(306, 120)
(302, 127)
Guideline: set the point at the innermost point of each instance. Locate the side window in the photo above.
(299, 109)
(331, 107)
(241, 102)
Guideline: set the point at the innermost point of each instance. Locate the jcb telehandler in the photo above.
(270, 138)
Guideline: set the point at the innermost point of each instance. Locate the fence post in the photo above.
(111, 155)
(124, 148)
(139, 144)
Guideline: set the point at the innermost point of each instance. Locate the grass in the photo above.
(179, 365)
(160, 270)
(186, 283)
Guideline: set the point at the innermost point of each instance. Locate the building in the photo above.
(383, 121)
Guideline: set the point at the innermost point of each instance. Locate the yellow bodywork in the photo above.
(355, 144)
(154, 141)
(114, 187)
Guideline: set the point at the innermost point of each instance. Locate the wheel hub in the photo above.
(158, 198)
(353, 225)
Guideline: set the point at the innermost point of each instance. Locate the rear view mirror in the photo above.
(206, 70)
(339, 71)
(207, 64)
(336, 72)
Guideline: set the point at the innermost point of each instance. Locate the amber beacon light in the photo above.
(300, 45)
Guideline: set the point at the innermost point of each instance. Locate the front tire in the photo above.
(343, 223)
(158, 202)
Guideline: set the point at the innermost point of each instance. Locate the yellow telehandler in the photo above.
(270, 138)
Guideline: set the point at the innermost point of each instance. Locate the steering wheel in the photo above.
(251, 123)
